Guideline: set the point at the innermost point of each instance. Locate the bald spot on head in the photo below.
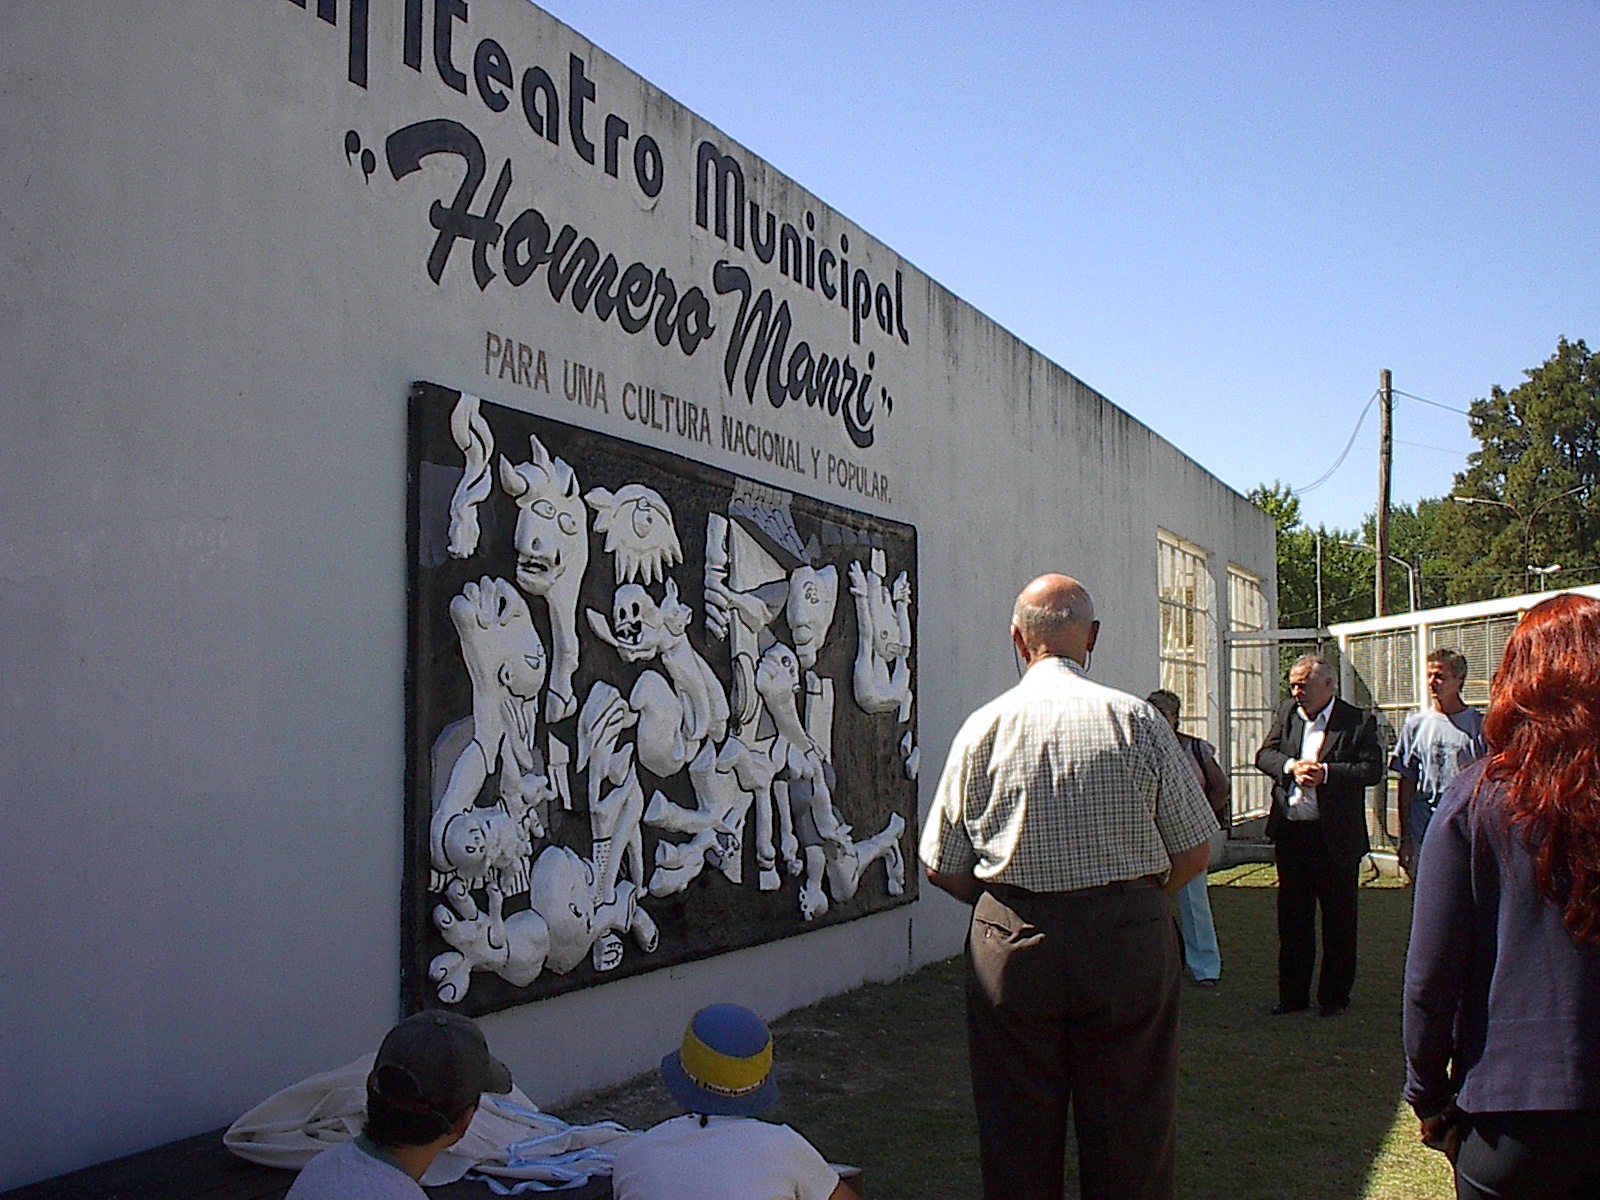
(1054, 615)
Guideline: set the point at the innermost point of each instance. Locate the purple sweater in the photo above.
(1502, 1005)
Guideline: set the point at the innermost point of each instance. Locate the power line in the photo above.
(1343, 454)
(1440, 449)
(1435, 575)
(1433, 403)
(1328, 602)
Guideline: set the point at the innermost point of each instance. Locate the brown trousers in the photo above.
(1072, 1004)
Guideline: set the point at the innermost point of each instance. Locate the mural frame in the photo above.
(686, 730)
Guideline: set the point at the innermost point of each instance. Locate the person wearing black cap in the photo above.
(722, 1076)
(422, 1094)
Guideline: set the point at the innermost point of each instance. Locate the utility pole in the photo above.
(1385, 457)
(1319, 577)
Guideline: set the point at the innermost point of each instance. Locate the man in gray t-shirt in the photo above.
(1434, 746)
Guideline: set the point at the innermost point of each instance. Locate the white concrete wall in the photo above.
(209, 319)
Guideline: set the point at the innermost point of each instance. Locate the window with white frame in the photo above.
(1186, 631)
(1251, 702)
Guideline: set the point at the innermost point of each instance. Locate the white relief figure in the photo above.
(473, 438)
(559, 757)
(552, 544)
(817, 844)
(883, 649)
(883, 639)
(563, 892)
(515, 947)
(751, 611)
(558, 931)
(809, 608)
(639, 531)
(813, 598)
(505, 663)
(738, 566)
(771, 752)
(910, 755)
(843, 862)
(604, 718)
(678, 719)
(745, 591)
(715, 577)
(687, 707)
(778, 682)
(616, 803)
(835, 857)
(485, 844)
(768, 731)
(753, 766)
(756, 608)
(715, 825)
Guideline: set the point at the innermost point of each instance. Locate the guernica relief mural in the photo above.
(656, 711)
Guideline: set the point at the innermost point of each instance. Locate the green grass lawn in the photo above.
(1268, 1107)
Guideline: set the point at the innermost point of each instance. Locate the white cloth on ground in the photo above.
(509, 1137)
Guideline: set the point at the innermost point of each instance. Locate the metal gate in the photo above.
(1258, 662)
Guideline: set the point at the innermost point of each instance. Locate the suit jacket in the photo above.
(1354, 755)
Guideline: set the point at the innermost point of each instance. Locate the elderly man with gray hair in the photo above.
(1321, 755)
(1064, 810)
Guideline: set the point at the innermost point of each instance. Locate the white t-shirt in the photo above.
(355, 1170)
(1434, 748)
(729, 1158)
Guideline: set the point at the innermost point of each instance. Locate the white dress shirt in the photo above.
(1303, 800)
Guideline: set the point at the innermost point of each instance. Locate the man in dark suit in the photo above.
(1321, 754)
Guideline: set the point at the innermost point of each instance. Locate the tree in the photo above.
(1413, 538)
(1531, 486)
(1341, 591)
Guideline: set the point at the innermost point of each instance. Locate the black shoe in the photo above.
(1281, 1009)
(1333, 1010)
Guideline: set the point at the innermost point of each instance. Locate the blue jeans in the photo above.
(1421, 814)
(1200, 949)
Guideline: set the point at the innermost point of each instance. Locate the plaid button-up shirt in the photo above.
(1062, 784)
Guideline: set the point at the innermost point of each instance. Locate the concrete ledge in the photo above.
(1242, 850)
(201, 1168)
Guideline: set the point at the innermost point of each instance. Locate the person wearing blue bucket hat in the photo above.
(722, 1076)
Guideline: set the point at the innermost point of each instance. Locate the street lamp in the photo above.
(1411, 573)
(1528, 568)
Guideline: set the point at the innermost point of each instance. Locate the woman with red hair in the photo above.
(1502, 995)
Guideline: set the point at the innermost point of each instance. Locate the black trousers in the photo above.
(1530, 1156)
(1072, 1004)
(1309, 878)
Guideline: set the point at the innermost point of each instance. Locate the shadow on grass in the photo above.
(1295, 1105)
(1268, 1107)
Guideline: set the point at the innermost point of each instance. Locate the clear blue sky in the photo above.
(1225, 217)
